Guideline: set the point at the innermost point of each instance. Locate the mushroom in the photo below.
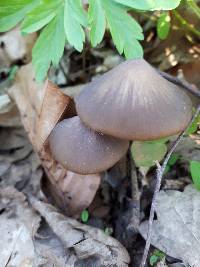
(81, 150)
(132, 101)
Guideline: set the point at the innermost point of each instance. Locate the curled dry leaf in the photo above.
(15, 47)
(86, 241)
(55, 106)
(176, 231)
(41, 107)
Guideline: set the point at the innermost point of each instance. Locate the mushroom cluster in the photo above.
(130, 102)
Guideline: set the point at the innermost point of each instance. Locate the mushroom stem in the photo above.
(159, 174)
(135, 194)
(187, 86)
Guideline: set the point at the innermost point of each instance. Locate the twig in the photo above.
(159, 175)
(189, 87)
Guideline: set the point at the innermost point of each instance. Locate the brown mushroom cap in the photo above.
(132, 101)
(82, 150)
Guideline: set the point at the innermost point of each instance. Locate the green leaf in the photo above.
(84, 216)
(13, 11)
(153, 260)
(146, 153)
(163, 26)
(97, 21)
(124, 29)
(74, 18)
(166, 5)
(150, 4)
(156, 257)
(194, 127)
(49, 46)
(133, 49)
(40, 16)
(173, 159)
(195, 173)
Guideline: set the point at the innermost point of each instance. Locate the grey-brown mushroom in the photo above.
(132, 101)
(83, 150)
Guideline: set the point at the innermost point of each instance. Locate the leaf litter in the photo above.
(39, 115)
(23, 170)
(39, 234)
(177, 229)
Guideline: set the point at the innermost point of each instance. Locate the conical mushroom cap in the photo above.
(132, 101)
(82, 150)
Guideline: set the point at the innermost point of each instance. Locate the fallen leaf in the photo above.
(16, 246)
(55, 106)
(15, 47)
(70, 198)
(86, 241)
(14, 204)
(177, 229)
(27, 241)
(28, 96)
(41, 107)
(145, 154)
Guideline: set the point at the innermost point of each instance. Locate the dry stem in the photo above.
(159, 174)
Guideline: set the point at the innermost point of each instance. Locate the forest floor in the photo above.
(32, 232)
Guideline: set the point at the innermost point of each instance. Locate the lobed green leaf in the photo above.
(40, 16)
(97, 21)
(125, 30)
(74, 19)
(49, 46)
(12, 12)
(150, 4)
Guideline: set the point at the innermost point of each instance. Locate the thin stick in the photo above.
(159, 174)
(189, 87)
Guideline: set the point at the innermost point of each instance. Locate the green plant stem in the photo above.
(192, 4)
(185, 24)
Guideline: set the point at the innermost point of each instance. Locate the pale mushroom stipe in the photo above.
(133, 102)
(82, 150)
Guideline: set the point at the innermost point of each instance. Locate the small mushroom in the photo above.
(132, 101)
(82, 150)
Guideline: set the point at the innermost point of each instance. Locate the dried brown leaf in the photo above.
(41, 107)
(55, 105)
(86, 241)
(23, 243)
